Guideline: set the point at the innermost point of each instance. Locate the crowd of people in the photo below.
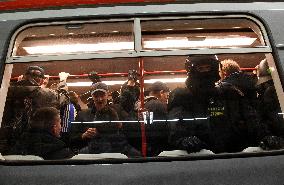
(221, 108)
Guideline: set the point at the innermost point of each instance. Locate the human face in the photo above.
(164, 96)
(36, 76)
(56, 130)
(100, 99)
(221, 73)
(39, 80)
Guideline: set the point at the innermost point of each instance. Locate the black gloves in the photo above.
(191, 144)
(272, 143)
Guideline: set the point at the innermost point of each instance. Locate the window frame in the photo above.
(138, 51)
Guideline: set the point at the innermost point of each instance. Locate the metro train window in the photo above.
(75, 38)
(106, 102)
(190, 34)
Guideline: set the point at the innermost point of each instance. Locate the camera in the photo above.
(132, 75)
(94, 77)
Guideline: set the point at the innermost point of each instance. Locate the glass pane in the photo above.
(75, 38)
(235, 113)
(94, 119)
(200, 33)
(184, 107)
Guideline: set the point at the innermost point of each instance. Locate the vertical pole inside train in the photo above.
(142, 124)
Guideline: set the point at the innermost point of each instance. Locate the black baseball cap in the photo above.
(35, 71)
(99, 86)
(159, 86)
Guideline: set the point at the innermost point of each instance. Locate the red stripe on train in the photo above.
(30, 4)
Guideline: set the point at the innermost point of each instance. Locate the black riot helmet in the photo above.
(202, 71)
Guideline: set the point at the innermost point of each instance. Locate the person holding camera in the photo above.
(132, 85)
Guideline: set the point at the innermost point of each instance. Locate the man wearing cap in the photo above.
(33, 76)
(81, 134)
(157, 100)
(157, 131)
(102, 137)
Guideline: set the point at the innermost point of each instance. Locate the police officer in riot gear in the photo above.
(213, 117)
(202, 73)
(191, 105)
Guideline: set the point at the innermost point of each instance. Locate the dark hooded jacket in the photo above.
(244, 82)
(201, 121)
(156, 106)
(269, 107)
(246, 127)
(41, 143)
(230, 122)
(126, 112)
(23, 99)
(109, 139)
(157, 132)
(88, 115)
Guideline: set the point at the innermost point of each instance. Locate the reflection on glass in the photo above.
(188, 34)
(75, 38)
(183, 107)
